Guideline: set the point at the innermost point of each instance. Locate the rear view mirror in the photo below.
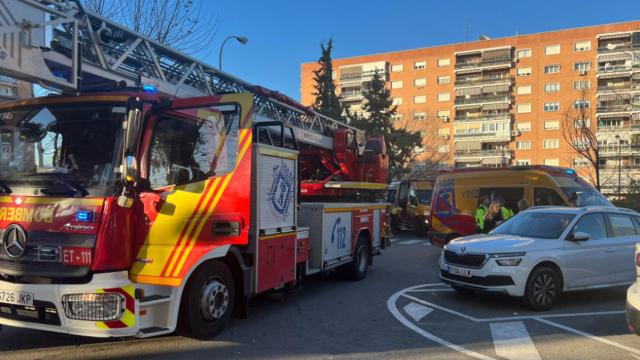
(579, 236)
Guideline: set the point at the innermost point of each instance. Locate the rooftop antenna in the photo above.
(466, 25)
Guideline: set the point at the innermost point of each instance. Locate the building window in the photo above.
(582, 144)
(524, 71)
(552, 50)
(396, 84)
(523, 145)
(585, 123)
(523, 108)
(580, 162)
(443, 148)
(444, 97)
(444, 115)
(552, 106)
(419, 99)
(582, 84)
(397, 67)
(419, 65)
(396, 101)
(524, 53)
(581, 104)
(443, 62)
(552, 162)
(552, 87)
(523, 126)
(551, 144)
(420, 116)
(396, 117)
(523, 162)
(582, 66)
(523, 90)
(422, 82)
(582, 46)
(444, 79)
(552, 125)
(551, 69)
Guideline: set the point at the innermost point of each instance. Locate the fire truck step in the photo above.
(154, 299)
(153, 329)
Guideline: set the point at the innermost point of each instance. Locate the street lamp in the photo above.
(619, 163)
(241, 39)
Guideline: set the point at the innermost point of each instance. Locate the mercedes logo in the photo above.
(14, 241)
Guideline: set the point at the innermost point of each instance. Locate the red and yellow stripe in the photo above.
(128, 319)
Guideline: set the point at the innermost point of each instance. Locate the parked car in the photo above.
(460, 192)
(544, 251)
(633, 299)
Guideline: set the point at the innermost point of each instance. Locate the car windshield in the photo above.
(583, 196)
(424, 196)
(46, 145)
(535, 224)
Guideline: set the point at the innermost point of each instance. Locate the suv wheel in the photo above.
(543, 288)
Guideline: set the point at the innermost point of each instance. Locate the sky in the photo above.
(284, 34)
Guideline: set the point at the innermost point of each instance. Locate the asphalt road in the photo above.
(399, 311)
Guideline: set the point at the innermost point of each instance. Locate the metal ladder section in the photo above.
(57, 44)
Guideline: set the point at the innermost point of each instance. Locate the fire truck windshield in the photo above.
(61, 148)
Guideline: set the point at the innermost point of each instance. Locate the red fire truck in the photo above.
(157, 193)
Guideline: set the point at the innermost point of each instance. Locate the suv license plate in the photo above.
(16, 297)
(458, 271)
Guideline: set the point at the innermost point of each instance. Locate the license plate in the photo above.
(76, 256)
(16, 297)
(458, 271)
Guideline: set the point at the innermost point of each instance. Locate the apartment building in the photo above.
(499, 102)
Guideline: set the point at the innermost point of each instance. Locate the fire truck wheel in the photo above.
(208, 301)
(358, 267)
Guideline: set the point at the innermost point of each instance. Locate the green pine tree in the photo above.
(327, 102)
(377, 120)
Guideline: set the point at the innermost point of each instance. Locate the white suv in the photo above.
(543, 251)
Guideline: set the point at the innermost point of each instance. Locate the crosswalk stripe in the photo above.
(417, 311)
(409, 242)
(512, 341)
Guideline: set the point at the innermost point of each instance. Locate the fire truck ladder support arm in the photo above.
(59, 45)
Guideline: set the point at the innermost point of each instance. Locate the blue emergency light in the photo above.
(84, 216)
(570, 172)
(149, 88)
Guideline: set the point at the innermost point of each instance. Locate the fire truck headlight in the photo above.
(94, 307)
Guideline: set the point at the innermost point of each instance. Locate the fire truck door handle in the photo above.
(227, 228)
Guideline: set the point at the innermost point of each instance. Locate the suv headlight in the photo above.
(94, 307)
(508, 259)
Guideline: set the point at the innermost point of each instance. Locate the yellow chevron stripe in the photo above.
(223, 187)
(195, 219)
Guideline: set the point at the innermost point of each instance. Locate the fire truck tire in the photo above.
(357, 269)
(207, 302)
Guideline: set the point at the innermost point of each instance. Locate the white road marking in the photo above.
(409, 242)
(391, 306)
(417, 311)
(590, 336)
(512, 341)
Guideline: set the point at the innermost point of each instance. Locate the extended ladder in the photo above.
(57, 44)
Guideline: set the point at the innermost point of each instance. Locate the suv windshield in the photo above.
(582, 196)
(424, 196)
(74, 145)
(535, 224)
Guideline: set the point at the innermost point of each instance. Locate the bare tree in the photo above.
(181, 24)
(580, 134)
(427, 160)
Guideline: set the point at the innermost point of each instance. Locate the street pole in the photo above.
(241, 39)
(619, 165)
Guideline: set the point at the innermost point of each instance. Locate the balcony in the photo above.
(484, 136)
(611, 48)
(507, 60)
(482, 153)
(610, 150)
(482, 117)
(616, 68)
(351, 95)
(485, 80)
(635, 128)
(460, 100)
(622, 88)
(605, 108)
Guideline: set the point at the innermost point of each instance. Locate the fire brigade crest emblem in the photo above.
(281, 192)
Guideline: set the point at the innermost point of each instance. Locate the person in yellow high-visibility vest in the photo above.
(495, 214)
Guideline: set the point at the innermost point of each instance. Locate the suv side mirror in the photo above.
(579, 236)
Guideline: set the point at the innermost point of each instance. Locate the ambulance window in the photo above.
(547, 197)
(190, 145)
(510, 196)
